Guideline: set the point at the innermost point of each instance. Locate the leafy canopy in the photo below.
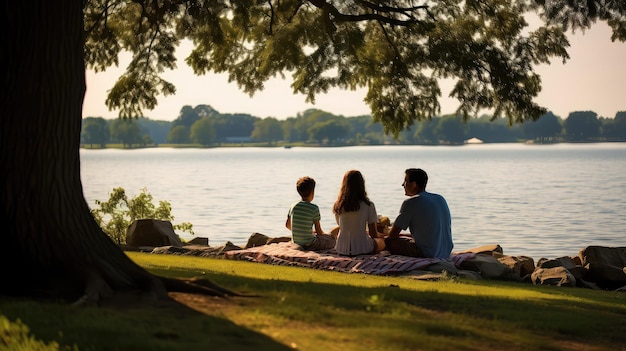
(397, 50)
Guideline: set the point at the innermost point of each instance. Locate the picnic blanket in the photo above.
(383, 263)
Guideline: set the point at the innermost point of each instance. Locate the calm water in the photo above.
(534, 200)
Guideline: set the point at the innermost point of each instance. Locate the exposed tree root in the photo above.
(156, 293)
(198, 286)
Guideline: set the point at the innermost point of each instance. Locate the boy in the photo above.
(303, 215)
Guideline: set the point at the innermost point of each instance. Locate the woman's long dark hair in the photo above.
(351, 194)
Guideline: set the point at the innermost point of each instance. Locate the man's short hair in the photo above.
(418, 176)
(305, 186)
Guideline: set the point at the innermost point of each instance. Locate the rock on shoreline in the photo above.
(594, 267)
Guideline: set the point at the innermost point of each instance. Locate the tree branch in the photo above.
(337, 16)
(271, 17)
(383, 8)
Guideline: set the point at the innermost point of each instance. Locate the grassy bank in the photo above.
(320, 310)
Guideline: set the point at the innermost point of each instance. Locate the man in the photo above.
(428, 218)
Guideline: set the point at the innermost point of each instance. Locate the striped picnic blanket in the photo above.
(290, 254)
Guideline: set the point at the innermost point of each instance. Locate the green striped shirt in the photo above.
(302, 215)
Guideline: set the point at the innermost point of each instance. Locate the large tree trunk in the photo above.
(51, 245)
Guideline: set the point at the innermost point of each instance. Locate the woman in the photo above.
(356, 216)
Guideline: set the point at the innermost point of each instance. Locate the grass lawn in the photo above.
(306, 309)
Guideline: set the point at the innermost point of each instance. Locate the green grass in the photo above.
(321, 310)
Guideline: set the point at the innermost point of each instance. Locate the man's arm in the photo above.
(394, 232)
(288, 223)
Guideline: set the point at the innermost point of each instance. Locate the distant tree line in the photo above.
(204, 126)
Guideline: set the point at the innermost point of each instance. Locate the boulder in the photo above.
(605, 276)
(199, 241)
(558, 276)
(522, 266)
(564, 261)
(152, 232)
(463, 273)
(614, 256)
(491, 263)
(572, 264)
(228, 246)
(493, 250)
(604, 266)
(489, 267)
(258, 239)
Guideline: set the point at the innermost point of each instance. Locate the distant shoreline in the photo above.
(287, 145)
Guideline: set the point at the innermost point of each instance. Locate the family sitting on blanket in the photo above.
(425, 214)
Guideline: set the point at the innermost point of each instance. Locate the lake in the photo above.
(534, 200)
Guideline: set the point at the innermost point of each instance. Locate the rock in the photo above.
(547, 267)
(486, 249)
(489, 267)
(463, 273)
(229, 246)
(152, 232)
(199, 241)
(565, 261)
(605, 276)
(589, 285)
(614, 256)
(604, 266)
(569, 263)
(522, 266)
(257, 239)
(558, 276)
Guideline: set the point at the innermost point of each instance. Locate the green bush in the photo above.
(16, 336)
(119, 212)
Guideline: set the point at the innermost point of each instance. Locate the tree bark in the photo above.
(52, 246)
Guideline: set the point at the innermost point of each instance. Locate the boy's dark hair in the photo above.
(305, 186)
(417, 175)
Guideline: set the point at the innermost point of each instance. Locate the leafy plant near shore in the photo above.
(118, 213)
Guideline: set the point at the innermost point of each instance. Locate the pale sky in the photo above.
(593, 79)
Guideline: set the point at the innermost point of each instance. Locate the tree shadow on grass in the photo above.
(555, 317)
(126, 323)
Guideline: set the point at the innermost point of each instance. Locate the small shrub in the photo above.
(119, 212)
(16, 336)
